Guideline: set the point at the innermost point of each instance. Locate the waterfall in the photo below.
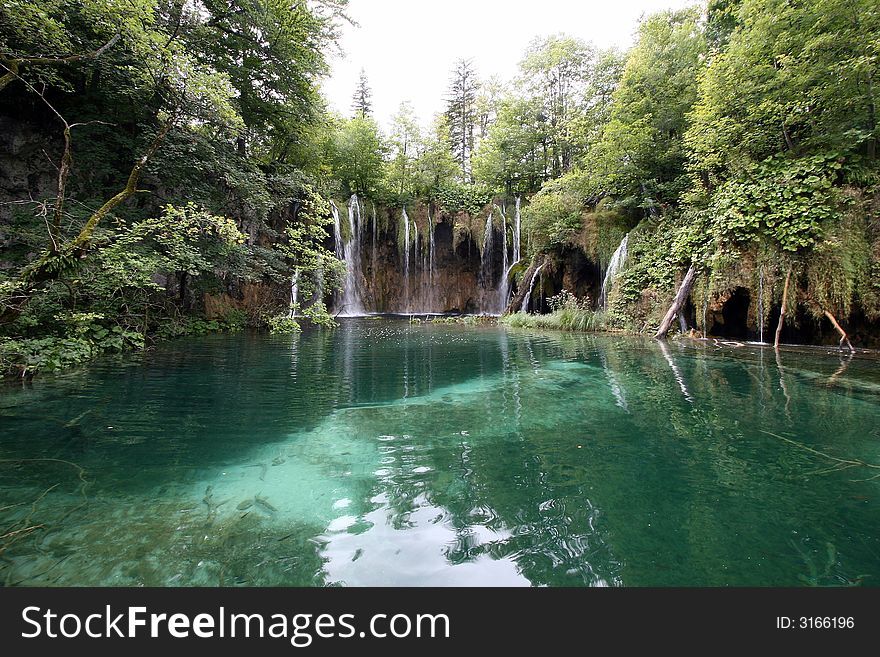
(614, 268)
(525, 303)
(486, 262)
(375, 242)
(406, 259)
(761, 304)
(415, 266)
(350, 303)
(415, 228)
(294, 292)
(503, 284)
(432, 299)
(337, 232)
(432, 261)
(516, 234)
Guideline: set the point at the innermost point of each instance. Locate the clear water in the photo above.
(397, 454)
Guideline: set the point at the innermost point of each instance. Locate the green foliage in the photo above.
(510, 158)
(188, 325)
(566, 300)
(462, 320)
(565, 319)
(795, 77)
(640, 156)
(356, 156)
(842, 266)
(456, 197)
(782, 201)
(281, 324)
(554, 70)
(221, 99)
(405, 144)
(652, 265)
(318, 315)
(84, 336)
(435, 167)
(554, 215)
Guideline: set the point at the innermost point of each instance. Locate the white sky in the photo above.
(408, 47)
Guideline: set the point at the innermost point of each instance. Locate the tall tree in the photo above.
(361, 101)
(358, 156)
(435, 166)
(799, 78)
(555, 69)
(640, 158)
(461, 114)
(405, 145)
(511, 158)
(272, 51)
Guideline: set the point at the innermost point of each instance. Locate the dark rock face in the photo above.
(27, 176)
(452, 281)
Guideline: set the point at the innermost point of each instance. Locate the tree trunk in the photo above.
(782, 310)
(521, 292)
(789, 142)
(844, 339)
(683, 291)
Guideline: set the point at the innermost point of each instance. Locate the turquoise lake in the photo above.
(390, 453)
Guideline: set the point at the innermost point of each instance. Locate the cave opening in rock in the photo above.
(733, 320)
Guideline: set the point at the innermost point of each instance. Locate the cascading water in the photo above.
(406, 258)
(375, 248)
(432, 259)
(294, 292)
(527, 298)
(319, 285)
(415, 228)
(516, 234)
(486, 262)
(349, 303)
(761, 304)
(618, 260)
(504, 283)
(337, 232)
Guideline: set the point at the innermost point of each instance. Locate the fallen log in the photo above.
(782, 310)
(683, 291)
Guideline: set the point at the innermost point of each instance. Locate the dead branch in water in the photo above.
(842, 464)
(782, 309)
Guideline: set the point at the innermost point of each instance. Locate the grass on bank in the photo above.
(568, 313)
(566, 319)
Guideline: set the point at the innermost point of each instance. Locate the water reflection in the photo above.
(398, 454)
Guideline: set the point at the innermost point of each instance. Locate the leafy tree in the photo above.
(146, 105)
(405, 145)
(357, 156)
(796, 78)
(640, 158)
(555, 69)
(513, 158)
(272, 52)
(435, 167)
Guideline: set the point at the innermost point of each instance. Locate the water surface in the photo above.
(386, 453)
